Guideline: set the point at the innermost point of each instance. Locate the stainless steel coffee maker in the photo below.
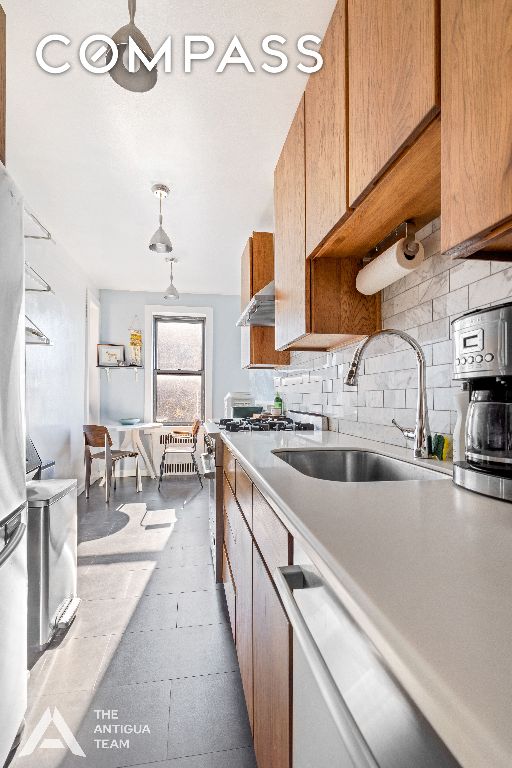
(483, 358)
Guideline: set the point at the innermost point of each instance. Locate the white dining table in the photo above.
(130, 440)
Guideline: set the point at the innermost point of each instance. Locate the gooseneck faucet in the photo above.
(421, 434)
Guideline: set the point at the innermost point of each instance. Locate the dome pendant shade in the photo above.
(142, 80)
(171, 292)
(160, 242)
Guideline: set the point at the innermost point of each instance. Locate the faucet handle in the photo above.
(407, 432)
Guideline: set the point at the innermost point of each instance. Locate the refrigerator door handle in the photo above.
(13, 543)
(286, 580)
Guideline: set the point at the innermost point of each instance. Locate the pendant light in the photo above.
(160, 242)
(142, 79)
(171, 291)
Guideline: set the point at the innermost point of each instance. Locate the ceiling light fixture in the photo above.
(142, 79)
(160, 242)
(171, 291)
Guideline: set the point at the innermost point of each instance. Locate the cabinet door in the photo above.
(229, 591)
(272, 670)
(326, 150)
(476, 176)
(394, 82)
(243, 580)
(246, 292)
(291, 267)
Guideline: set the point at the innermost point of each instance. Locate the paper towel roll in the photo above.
(387, 268)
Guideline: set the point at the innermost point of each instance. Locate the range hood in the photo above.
(261, 310)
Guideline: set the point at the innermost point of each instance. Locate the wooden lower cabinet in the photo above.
(244, 622)
(229, 591)
(272, 672)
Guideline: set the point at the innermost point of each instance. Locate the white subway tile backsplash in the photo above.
(444, 398)
(451, 303)
(442, 352)
(411, 318)
(423, 303)
(393, 398)
(499, 266)
(374, 399)
(468, 272)
(494, 288)
(432, 243)
(435, 286)
(439, 375)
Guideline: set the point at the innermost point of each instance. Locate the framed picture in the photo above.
(110, 355)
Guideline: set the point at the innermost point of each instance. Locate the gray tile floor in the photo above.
(147, 674)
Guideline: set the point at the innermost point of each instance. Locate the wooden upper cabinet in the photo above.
(393, 83)
(258, 342)
(293, 316)
(317, 305)
(3, 52)
(476, 126)
(394, 126)
(326, 135)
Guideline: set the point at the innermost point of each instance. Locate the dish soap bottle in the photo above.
(278, 404)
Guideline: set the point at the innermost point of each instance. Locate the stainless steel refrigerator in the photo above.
(13, 539)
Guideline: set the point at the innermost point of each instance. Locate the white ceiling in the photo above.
(85, 152)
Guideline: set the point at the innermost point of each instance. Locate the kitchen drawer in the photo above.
(229, 467)
(229, 591)
(272, 538)
(244, 493)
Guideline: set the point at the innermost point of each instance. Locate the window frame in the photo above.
(189, 320)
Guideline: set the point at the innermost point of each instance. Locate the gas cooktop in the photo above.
(281, 424)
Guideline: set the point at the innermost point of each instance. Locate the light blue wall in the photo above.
(123, 397)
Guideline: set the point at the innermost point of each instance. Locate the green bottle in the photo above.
(278, 402)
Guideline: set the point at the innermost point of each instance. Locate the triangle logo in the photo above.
(36, 739)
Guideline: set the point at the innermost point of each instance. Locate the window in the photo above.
(178, 369)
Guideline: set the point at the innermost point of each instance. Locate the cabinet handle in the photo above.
(292, 577)
(13, 543)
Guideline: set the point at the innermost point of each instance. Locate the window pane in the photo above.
(180, 346)
(178, 398)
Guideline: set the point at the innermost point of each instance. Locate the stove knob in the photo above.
(457, 362)
(463, 361)
(471, 359)
(479, 358)
(489, 357)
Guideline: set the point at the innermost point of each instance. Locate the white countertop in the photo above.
(425, 568)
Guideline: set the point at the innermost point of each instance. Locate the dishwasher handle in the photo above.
(286, 580)
(15, 539)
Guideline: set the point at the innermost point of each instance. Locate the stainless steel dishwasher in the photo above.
(52, 558)
(348, 710)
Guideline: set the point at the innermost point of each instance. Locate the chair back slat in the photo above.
(95, 436)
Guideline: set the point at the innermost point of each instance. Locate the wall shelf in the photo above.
(39, 284)
(34, 335)
(108, 368)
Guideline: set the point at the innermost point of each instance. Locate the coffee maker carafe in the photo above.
(483, 358)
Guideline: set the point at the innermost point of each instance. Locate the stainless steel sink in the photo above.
(355, 466)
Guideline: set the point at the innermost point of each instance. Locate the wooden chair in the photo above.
(99, 437)
(188, 448)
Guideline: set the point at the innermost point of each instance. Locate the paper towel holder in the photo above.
(407, 230)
